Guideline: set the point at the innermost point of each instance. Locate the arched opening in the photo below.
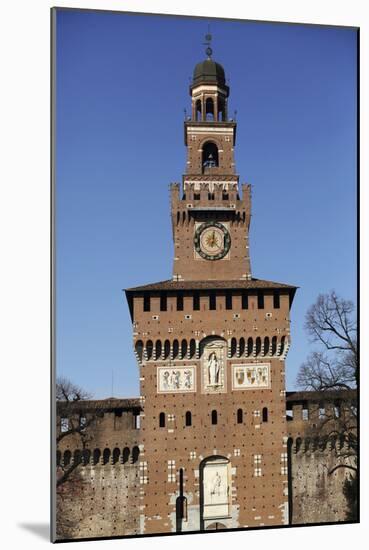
(116, 455)
(258, 345)
(210, 157)
(221, 110)
(216, 526)
(86, 456)
(242, 347)
(166, 349)
(239, 416)
(274, 345)
(58, 457)
(77, 458)
(96, 456)
(214, 417)
(192, 348)
(209, 109)
(149, 349)
(135, 454)
(125, 454)
(250, 345)
(290, 480)
(67, 458)
(266, 345)
(184, 348)
(215, 490)
(106, 456)
(283, 343)
(233, 347)
(188, 418)
(175, 349)
(181, 504)
(158, 349)
(198, 114)
(265, 414)
(162, 420)
(139, 349)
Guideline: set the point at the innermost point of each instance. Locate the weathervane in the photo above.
(207, 43)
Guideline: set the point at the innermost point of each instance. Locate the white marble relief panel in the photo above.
(176, 379)
(213, 367)
(216, 489)
(251, 376)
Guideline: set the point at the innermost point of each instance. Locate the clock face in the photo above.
(212, 240)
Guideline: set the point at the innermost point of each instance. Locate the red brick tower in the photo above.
(211, 344)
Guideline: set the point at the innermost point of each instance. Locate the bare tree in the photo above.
(72, 423)
(331, 323)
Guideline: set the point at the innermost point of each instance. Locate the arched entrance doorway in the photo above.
(216, 526)
(215, 492)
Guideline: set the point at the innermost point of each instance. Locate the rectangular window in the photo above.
(260, 299)
(228, 300)
(146, 302)
(245, 300)
(136, 421)
(276, 299)
(212, 300)
(289, 413)
(257, 465)
(180, 302)
(196, 301)
(64, 424)
(284, 464)
(82, 422)
(305, 412)
(321, 412)
(163, 302)
(171, 471)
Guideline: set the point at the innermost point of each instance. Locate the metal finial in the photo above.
(208, 39)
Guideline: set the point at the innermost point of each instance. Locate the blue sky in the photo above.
(122, 86)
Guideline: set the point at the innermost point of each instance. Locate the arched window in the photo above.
(86, 456)
(116, 455)
(242, 346)
(188, 418)
(135, 454)
(198, 110)
(77, 458)
(192, 348)
(149, 349)
(265, 414)
(239, 416)
(162, 420)
(250, 345)
(221, 110)
(106, 456)
(58, 458)
(184, 348)
(67, 458)
(96, 456)
(214, 417)
(210, 157)
(166, 349)
(158, 349)
(126, 453)
(209, 108)
(175, 348)
(283, 342)
(266, 345)
(233, 347)
(139, 349)
(258, 345)
(274, 345)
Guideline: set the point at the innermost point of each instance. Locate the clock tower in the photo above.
(211, 344)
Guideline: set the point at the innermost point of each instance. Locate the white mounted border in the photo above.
(250, 376)
(173, 379)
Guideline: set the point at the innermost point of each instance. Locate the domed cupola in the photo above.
(208, 90)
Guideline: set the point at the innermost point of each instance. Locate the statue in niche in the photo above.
(213, 369)
(188, 379)
(166, 380)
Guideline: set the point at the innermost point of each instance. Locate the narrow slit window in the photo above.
(214, 417)
(162, 420)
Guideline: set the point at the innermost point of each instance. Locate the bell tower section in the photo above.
(210, 214)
